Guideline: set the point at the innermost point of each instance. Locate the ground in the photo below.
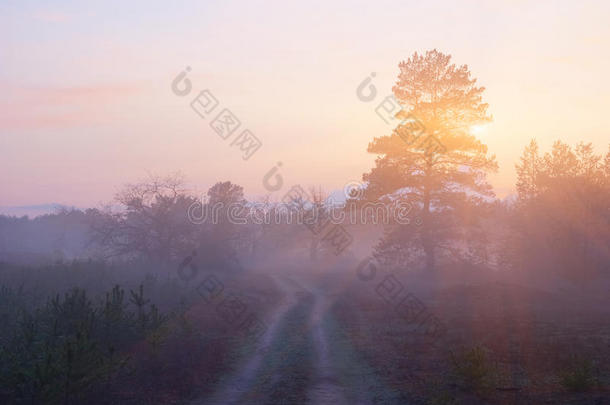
(334, 339)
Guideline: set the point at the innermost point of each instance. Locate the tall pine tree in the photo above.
(440, 106)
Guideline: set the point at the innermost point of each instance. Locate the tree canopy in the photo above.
(440, 105)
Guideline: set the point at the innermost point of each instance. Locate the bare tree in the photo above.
(151, 221)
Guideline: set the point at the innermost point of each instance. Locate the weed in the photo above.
(578, 377)
(472, 370)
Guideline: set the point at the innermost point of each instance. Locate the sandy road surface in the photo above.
(325, 383)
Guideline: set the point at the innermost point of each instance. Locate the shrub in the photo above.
(472, 370)
(579, 375)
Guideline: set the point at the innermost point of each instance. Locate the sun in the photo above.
(478, 130)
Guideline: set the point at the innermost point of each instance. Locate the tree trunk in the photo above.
(313, 249)
(427, 242)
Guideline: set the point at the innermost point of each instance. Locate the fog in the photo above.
(218, 299)
(415, 284)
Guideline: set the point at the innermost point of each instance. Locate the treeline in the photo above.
(429, 161)
(558, 223)
(59, 236)
(561, 220)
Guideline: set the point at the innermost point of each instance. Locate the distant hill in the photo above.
(32, 210)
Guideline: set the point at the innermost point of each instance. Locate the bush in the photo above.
(65, 350)
(579, 376)
(471, 369)
(442, 397)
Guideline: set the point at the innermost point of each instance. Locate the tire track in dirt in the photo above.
(343, 375)
(237, 385)
(326, 388)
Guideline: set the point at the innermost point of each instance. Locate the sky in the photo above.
(86, 100)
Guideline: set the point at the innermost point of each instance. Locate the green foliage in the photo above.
(60, 352)
(578, 377)
(472, 370)
(560, 223)
(74, 313)
(432, 160)
(441, 398)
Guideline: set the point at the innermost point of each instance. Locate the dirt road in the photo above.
(295, 361)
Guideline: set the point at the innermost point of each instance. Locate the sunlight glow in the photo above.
(478, 130)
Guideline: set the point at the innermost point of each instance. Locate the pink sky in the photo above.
(86, 104)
